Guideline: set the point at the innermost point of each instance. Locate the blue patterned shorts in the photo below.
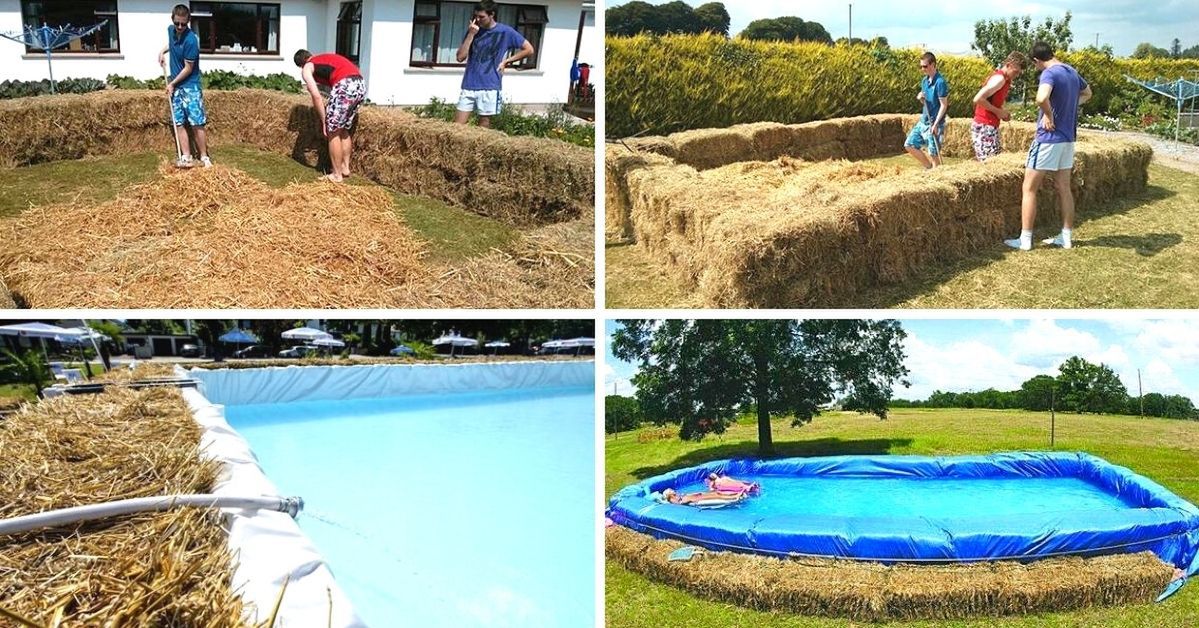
(187, 106)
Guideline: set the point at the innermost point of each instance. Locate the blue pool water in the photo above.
(444, 510)
(923, 497)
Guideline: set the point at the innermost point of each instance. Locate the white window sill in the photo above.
(40, 56)
(460, 71)
(234, 56)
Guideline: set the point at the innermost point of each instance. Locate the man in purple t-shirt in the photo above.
(485, 51)
(1061, 92)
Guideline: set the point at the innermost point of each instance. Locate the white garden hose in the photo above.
(91, 512)
(171, 112)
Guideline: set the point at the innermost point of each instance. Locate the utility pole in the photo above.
(1097, 40)
(1141, 393)
(1052, 414)
(851, 23)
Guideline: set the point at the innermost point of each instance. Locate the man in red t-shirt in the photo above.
(988, 106)
(347, 90)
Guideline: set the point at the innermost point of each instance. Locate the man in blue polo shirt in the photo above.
(929, 131)
(484, 49)
(183, 86)
(1060, 93)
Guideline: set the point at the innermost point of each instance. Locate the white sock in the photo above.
(1066, 235)
(1026, 238)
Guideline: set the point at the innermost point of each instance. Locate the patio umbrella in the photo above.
(80, 337)
(328, 343)
(41, 331)
(238, 337)
(496, 345)
(454, 340)
(306, 334)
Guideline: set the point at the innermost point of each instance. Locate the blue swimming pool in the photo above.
(917, 508)
(447, 509)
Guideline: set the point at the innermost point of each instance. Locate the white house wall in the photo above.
(387, 35)
(386, 42)
(143, 25)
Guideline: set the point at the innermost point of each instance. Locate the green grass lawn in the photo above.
(453, 233)
(1137, 252)
(16, 391)
(1166, 451)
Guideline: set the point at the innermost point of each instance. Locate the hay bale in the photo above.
(790, 233)
(170, 568)
(863, 591)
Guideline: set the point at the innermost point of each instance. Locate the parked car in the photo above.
(298, 351)
(253, 351)
(190, 351)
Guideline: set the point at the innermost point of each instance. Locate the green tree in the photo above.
(996, 39)
(1191, 53)
(30, 368)
(1178, 407)
(1176, 49)
(209, 332)
(1037, 393)
(713, 18)
(621, 414)
(787, 28)
(1146, 50)
(702, 372)
(1088, 387)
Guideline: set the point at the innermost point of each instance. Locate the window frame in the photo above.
(347, 24)
(262, 35)
(111, 16)
(523, 26)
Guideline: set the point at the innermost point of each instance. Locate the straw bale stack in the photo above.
(750, 226)
(863, 591)
(161, 569)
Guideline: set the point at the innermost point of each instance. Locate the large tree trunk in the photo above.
(762, 399)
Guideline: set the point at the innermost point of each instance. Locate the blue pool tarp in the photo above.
(1156, 520)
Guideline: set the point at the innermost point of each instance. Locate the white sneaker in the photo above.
(205, 161)
(185, 162)
(1017, 243)
(1058, 240)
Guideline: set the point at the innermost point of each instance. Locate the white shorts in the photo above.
(1051, 157)
(486, 102)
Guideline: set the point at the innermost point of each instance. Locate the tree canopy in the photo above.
(677, 17)
(789, 28)
(701, 373)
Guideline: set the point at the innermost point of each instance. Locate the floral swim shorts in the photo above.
(344, 99)
(986, 140)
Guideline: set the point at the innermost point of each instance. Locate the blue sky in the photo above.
(947, 26)
(960, 355)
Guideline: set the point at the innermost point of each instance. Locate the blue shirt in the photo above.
(1067, 87)
(486, 52)
(934, 91)
(183, 48)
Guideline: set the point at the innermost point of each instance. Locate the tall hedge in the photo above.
(663, 84)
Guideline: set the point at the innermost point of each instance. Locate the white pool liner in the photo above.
(269, 547)
(284, 384)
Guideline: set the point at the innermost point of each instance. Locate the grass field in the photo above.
(1138, 252)
(453, 233)
(1164, 450)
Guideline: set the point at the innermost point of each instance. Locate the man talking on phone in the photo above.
(485, 52)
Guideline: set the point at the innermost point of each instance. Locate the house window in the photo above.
(349, 28)
(236, 27)
(81, 13)
(438, 28)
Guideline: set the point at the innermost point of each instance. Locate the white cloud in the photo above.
(960, 366)
(1175, 341)
(1159, 377)
(1046, 344)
